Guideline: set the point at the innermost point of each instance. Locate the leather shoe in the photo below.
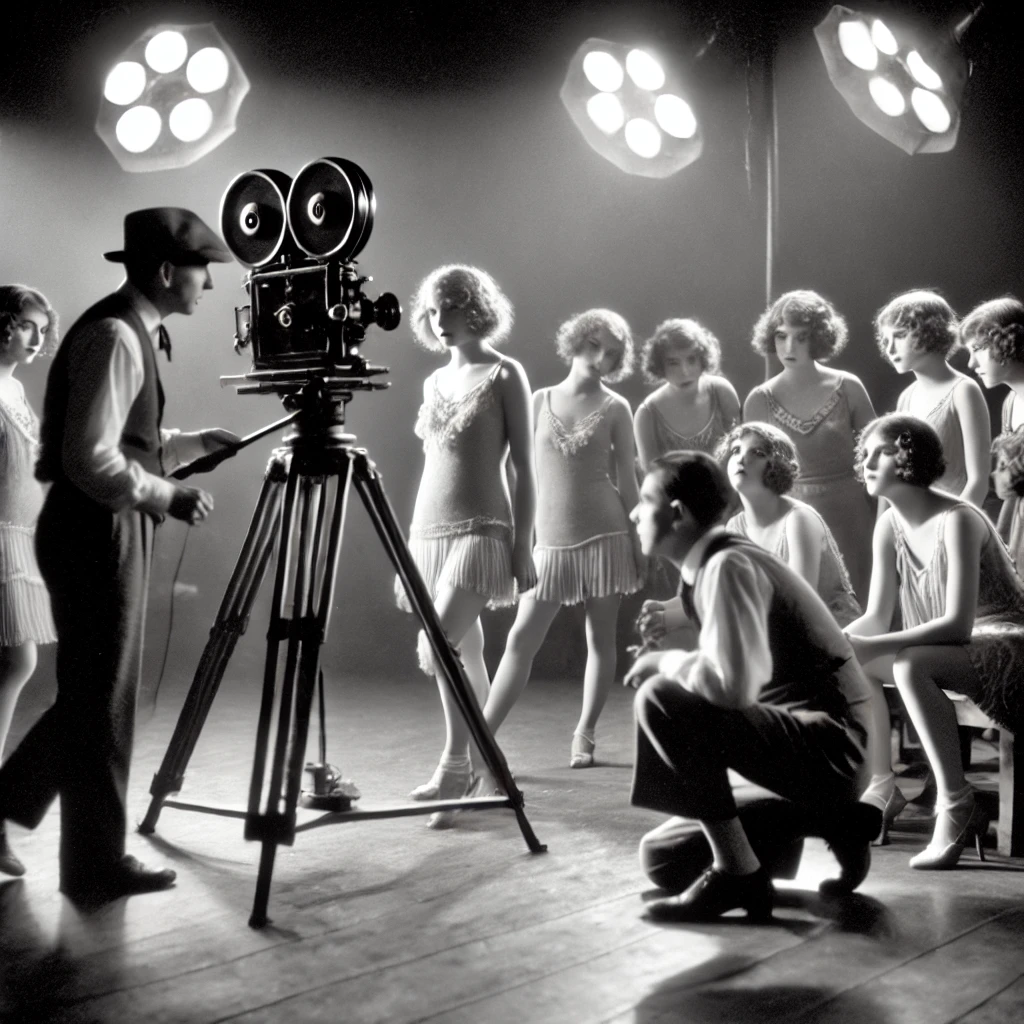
(129, 877)
(9, 862)
(716, 893)
(850, 844)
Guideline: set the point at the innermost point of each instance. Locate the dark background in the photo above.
(453, 110)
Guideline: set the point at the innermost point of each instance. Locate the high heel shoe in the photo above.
(581, 753)
(973, 821)
(893, 806)
(446, 819)
(444, 784)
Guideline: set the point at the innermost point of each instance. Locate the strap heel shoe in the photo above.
(581, 753)
(972, 820)
(444, 784)
(716, 893)
(893, 808)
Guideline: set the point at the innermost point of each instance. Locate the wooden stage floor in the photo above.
(389, 921)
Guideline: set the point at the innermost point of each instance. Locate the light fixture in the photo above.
(904, 80)
(631, 108)
(171, 97)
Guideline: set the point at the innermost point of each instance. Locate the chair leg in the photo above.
(1010, 830)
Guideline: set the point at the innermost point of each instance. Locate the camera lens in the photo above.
(316, 208)
(249, 219)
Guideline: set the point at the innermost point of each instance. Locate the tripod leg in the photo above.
(258, 917)
(378, 507)
(231, 622)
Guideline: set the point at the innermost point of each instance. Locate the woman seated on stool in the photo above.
(962, 607)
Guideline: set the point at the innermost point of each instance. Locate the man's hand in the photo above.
(191, 505)
(643, 668)
(216, 438)
(651, 622)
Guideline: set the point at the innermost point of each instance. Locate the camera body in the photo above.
(307, 310)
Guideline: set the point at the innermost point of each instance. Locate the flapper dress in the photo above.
(584, 547)
(24, 601)
(834, 587)
(1011, 516)
(825, 444)
(668, 439)
(946, 421)
(996, 650)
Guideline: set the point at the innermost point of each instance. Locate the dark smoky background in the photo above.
(453, 110)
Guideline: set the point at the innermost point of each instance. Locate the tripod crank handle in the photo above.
(207, 462)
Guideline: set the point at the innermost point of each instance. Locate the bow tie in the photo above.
(164, 341)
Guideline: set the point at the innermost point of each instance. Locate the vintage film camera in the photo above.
(307, 314)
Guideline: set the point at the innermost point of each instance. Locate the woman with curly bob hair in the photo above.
(694, 407)
(28, 326)
(962, 609)
(471, 543)
(761, 462)
(587, 550)
(916, 333)
(821, 410)
(994, 335)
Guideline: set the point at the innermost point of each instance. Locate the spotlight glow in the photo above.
(923, 73)
(887, 97)
(675, 116)
(603, 71)
(606, 112)
(645, 71)
(931, 111)
(166, 51)
(137, 129)
(125, 83)
(207, 69)
(883, 38)
(643, 138)
(190, 119)
(855, 42)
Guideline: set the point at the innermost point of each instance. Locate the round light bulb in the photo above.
(855, 42)
(643, 138)
(138, 128)
(931, 111)
(125, 83)
(606, 112)
(923, 73)
(166, 51)
(603, 71)
(190, 119)
(675, 116)
(645, 71)
(207, 69)
(883, 38)
(887, 97)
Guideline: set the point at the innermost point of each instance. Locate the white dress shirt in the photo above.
(732, 661)
(105, 375)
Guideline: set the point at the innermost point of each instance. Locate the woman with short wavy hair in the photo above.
(962, 609)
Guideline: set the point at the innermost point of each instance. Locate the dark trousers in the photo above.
(685, 746)
(96, 565)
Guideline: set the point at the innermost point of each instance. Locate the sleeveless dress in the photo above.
(584, 548)
(1011, 516)
(996, 650)
(834, 587)
(946, 421)
(461, 531)
(825, 445)
(668, 439)
(24, 601)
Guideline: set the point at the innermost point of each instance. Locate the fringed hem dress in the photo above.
(584, 538)
(461, 532)
(996, 649)
(24, 601)
(834, 586)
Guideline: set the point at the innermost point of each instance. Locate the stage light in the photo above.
(631, 108)
(903, 79)
(171, 98)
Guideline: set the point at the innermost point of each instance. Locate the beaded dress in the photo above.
(946, 421)
(825, 445)
(24, 601)
(996, 649)
(584, 546)
(834, 587)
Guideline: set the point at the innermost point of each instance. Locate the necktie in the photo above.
(164, 341)
(686, 596)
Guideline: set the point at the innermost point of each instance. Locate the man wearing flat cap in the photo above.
(103, 449)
